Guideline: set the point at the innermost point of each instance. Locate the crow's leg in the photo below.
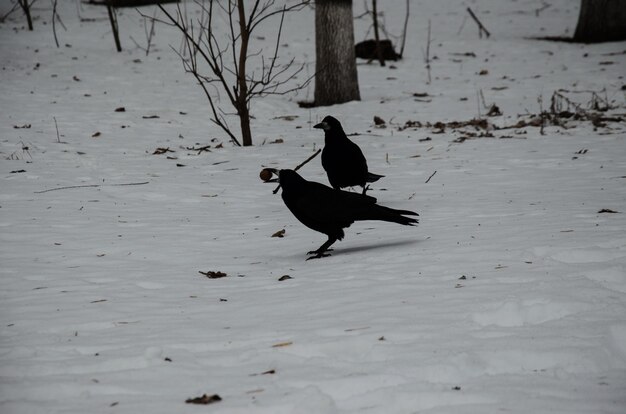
(321, 252)
(365, 188)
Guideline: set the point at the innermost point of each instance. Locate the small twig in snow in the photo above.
(89, 185)
(427, 53)
(54, 27)
(57, 128)
(542, 8)
(542, 114)
(431, 176)
(481, 28)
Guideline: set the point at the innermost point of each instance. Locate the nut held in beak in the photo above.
(265, 174)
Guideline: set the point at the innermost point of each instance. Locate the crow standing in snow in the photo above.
(329, 211)
(342, 159)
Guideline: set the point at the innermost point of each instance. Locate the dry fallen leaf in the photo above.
(204, 399)
(282, 344)
(279, 233)
(162, 150)
(213, 275)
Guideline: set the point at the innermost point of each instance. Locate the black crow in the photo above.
(329, 211)
(342, 159)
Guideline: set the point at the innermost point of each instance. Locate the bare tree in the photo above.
(336, 79)
(25, 5)
(228, 60)
(601, 21)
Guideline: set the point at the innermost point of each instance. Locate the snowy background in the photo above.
(510, 295)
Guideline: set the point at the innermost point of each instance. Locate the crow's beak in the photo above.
(322, 125)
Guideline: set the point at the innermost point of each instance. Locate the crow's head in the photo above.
(329, 124)
(289, 178)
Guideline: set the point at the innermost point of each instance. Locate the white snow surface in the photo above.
(103, 308)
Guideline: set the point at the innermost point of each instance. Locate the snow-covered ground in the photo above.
(510, 295)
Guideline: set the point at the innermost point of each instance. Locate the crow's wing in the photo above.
(327, 210)
(345, 163)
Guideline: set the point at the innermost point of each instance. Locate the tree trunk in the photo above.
(242, 83)
(114, 27)
(336, 79)
(601, 21)
(244, 123)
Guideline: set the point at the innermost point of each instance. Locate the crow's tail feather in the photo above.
(406, 212)
(389, 214)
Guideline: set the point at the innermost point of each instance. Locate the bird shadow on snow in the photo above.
(339, 252)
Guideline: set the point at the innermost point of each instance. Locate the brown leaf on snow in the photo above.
(213, 275)
(204, 399)
(279, 233)
(282, 344)
(162, 150)
(284, 277)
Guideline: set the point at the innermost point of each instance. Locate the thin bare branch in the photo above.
(54, 26)
(212, 59)
(7, 14)
(406, 24)
(481, 27)
(293, 7)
